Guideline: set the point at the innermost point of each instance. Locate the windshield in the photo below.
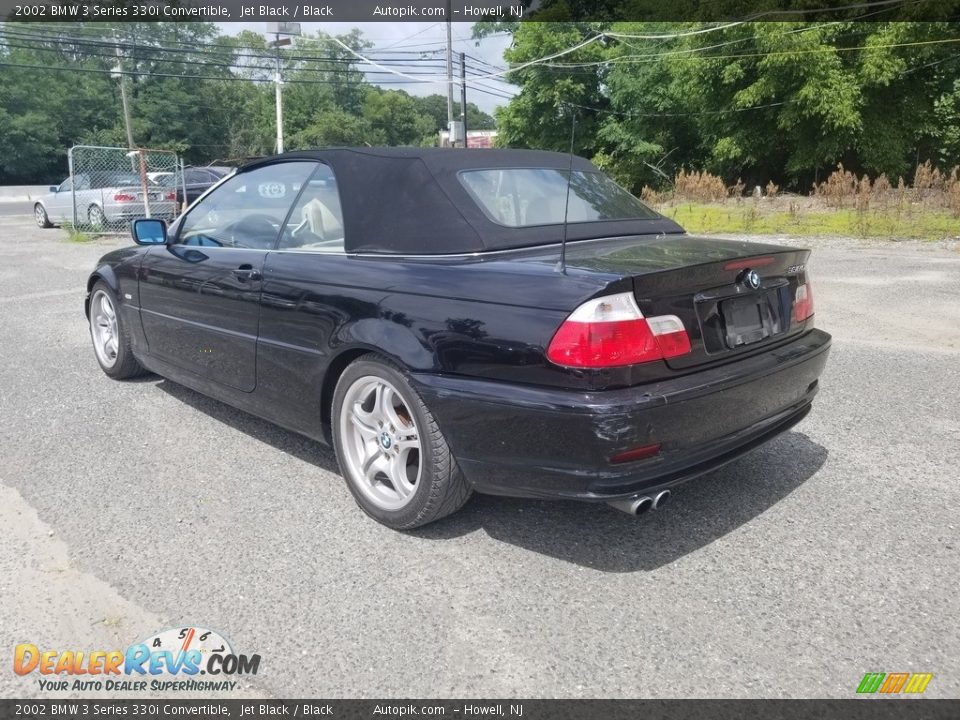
(520, 197)
(113, 179)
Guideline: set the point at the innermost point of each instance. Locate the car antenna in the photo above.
(566, 204)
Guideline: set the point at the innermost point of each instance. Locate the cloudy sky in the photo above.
(429, 39)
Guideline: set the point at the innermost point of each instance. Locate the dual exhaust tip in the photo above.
(641, 504)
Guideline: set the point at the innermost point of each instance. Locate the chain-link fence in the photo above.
(110, 186)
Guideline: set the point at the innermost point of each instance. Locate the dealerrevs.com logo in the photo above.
(188, 659)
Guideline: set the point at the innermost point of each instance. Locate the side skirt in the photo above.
(247, 402)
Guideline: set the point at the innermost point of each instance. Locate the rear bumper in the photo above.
(544, 442)
(133, 211)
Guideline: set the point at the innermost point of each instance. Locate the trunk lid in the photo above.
(705, 282)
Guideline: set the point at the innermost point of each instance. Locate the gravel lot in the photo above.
(130, 507)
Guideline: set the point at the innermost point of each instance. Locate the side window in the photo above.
(66, 185)
(193, 175)
(316, 223)
(248, 209)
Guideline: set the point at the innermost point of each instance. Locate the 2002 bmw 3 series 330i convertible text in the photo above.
(418, 309)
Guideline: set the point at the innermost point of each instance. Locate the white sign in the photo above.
(283, 28)
(273, 190)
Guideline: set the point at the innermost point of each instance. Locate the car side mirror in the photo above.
(147, 231)
(54, 188)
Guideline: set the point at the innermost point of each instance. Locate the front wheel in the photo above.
(40, 215)
(111, 344)
(392, 454)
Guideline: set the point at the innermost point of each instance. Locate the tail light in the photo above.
(611, 332)
(170, 196)
(803, 302)
(124, 197)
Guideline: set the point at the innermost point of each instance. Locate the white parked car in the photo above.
(102, 199)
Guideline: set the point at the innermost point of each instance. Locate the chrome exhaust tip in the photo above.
(633, 506)
(661, 499)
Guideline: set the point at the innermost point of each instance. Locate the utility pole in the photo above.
(449, 73)
(278, 87)
(118, 73)
(286, 29)
(463, 96)
(132, 153)
(126, 109)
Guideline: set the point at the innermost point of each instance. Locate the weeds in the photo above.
(699, 186)
(931, 190)
(843, 204)
(76, 235)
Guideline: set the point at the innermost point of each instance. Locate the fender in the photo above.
(106, 273)
(116, 269)
(389, 338)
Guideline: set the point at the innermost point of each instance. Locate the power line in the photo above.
(198, 46)
(155, 48)
(381, 66)
(441, 79)
(410, 37)
(726, 111)
(347, 66)
(638, 59)
(227, 78)
(675, 36)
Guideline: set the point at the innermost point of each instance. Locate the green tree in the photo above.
(394, 115)
(334, 128)
(550, 98)
(436, 107)
(758, 101)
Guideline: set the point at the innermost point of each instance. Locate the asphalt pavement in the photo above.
(126, 508)
(14, 208)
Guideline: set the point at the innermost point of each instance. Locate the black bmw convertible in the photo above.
(506, 321)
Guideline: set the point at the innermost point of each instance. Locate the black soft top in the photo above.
(410, 200)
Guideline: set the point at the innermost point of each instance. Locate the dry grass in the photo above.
(843, 204)
(931, 187)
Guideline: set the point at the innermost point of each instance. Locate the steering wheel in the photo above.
(254, 231)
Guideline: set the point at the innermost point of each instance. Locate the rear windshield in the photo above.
(521, 197)
(113, 179)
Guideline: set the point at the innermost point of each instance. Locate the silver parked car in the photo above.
(102, 199)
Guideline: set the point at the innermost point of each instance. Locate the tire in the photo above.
(373, 428)
(40, 215)
(111, 341)
(96, 218)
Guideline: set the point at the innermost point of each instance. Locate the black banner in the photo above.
(470, 11)
(853, 709)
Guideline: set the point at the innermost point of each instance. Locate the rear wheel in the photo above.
(40, 215)
(392, 454)
(111, 343)
(96, 217)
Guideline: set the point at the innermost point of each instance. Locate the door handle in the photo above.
(247, 272)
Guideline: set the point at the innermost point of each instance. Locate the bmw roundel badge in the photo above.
(751, 279)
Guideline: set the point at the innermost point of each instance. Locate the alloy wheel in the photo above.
(96, 217)
(381, 443)
(104, 329)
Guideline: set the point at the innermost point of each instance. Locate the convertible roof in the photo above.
(410, 200)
